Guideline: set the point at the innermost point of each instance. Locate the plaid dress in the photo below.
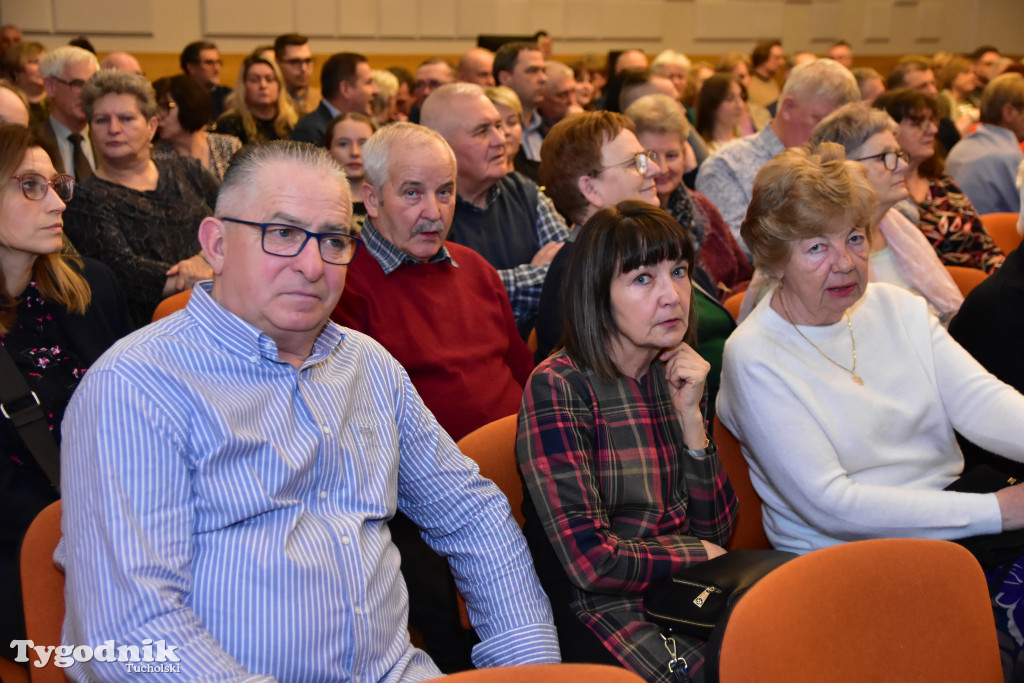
(618, 499)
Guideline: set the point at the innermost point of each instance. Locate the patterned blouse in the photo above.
(950, 222)
(222, 148)
(609, 486)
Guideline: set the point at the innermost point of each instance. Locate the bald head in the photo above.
(122, 61)
(13, 107)
(477, 66)
(443, 108)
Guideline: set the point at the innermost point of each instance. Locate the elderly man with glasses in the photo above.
(65, 133)
(229, 472)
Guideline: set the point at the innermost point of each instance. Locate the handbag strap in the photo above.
(20, 405)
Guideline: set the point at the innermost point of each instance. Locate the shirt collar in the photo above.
(330, 107)
(390, 257)
(245, 339)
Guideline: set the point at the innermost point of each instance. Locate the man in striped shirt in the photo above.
(228, 472)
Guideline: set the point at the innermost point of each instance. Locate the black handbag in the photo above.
(20, 405)
(693, 601)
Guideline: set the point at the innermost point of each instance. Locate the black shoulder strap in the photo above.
(20, 405)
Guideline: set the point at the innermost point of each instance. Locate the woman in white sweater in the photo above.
(846, 395)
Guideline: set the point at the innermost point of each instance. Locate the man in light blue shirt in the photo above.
(228, 473)
(984, 164)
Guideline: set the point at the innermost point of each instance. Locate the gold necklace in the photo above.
(853, 370)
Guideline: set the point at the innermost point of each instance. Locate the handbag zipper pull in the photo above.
(700, 599)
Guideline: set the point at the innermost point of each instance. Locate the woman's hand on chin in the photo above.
(686, 373)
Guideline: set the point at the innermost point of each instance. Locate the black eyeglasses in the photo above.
(639, 160)
(34, 185)
(298, 61)
(889, 159)
(74, 85)
(279, 239)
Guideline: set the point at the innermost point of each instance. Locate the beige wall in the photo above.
(403, 31)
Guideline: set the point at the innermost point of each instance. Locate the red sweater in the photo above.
(451, 328)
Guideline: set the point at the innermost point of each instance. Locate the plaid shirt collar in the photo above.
(391, 257)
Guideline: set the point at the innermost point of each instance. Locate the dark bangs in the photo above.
(650, 241)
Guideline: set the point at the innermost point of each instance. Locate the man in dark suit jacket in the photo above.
(347, 84)
(65, 70)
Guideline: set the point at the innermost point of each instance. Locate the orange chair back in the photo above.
(42, 589)
(887, 609)
(493, 448)
(547, 673)
(174, 302)
(966, 278)
(748, 530)
(1003, 229)
(732, 304)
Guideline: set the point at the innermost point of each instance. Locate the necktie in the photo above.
(82, 168)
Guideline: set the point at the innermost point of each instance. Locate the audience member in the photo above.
(622, 486)
(983, 59)
(936, 204)
(719, 111)
(346, 81)
(755, 116)
(520, 66)
(916, 73)
(294, 58)
(385, 102)
(842, 52)
(321, 466)
(545, 43)
(58, 313)
(558, 98)
(723, 267)
(811, 93)
(589, 161)
(956, 81)
(584, 89)
(259, 109)
(477, 66)
(22, 62)
(985, 162)
(13, 105)
(201, 60)
(10, 35)
(674, 66)
(136, 215)
(406, 88)
(122, 61)
(507, 103)
(870, 83)
(630, 59)
(64, 134)
(430, 75)
(345, 139)
(502, 216)
(183, 117)
(699, 72)
(766, 61)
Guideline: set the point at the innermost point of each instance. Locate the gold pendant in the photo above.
(857, 379)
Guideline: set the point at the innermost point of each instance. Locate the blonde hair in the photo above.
(286, 117)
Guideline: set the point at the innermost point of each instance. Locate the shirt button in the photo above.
(345, 540)
(358, 610)
(323, 494)
(254, 359)
(327, 430)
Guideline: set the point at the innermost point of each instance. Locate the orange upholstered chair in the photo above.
(493, 448)
(748, 531)
(174, 302)
(1003, 229)
(887, 609)
(966, 278)
(732, 304)
(547, 673)
(42, 589)
(12, 672)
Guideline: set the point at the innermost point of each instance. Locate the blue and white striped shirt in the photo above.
(220, 500)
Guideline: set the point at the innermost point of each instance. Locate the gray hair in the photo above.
(240, 180)
(402, 136)
(114, 82)
(667, 57)
(658, 114)
(851, 126)
(438, 110)
(555, 70)
(822, 79)
(52, 63)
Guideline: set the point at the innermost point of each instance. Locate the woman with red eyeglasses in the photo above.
(58, 313)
